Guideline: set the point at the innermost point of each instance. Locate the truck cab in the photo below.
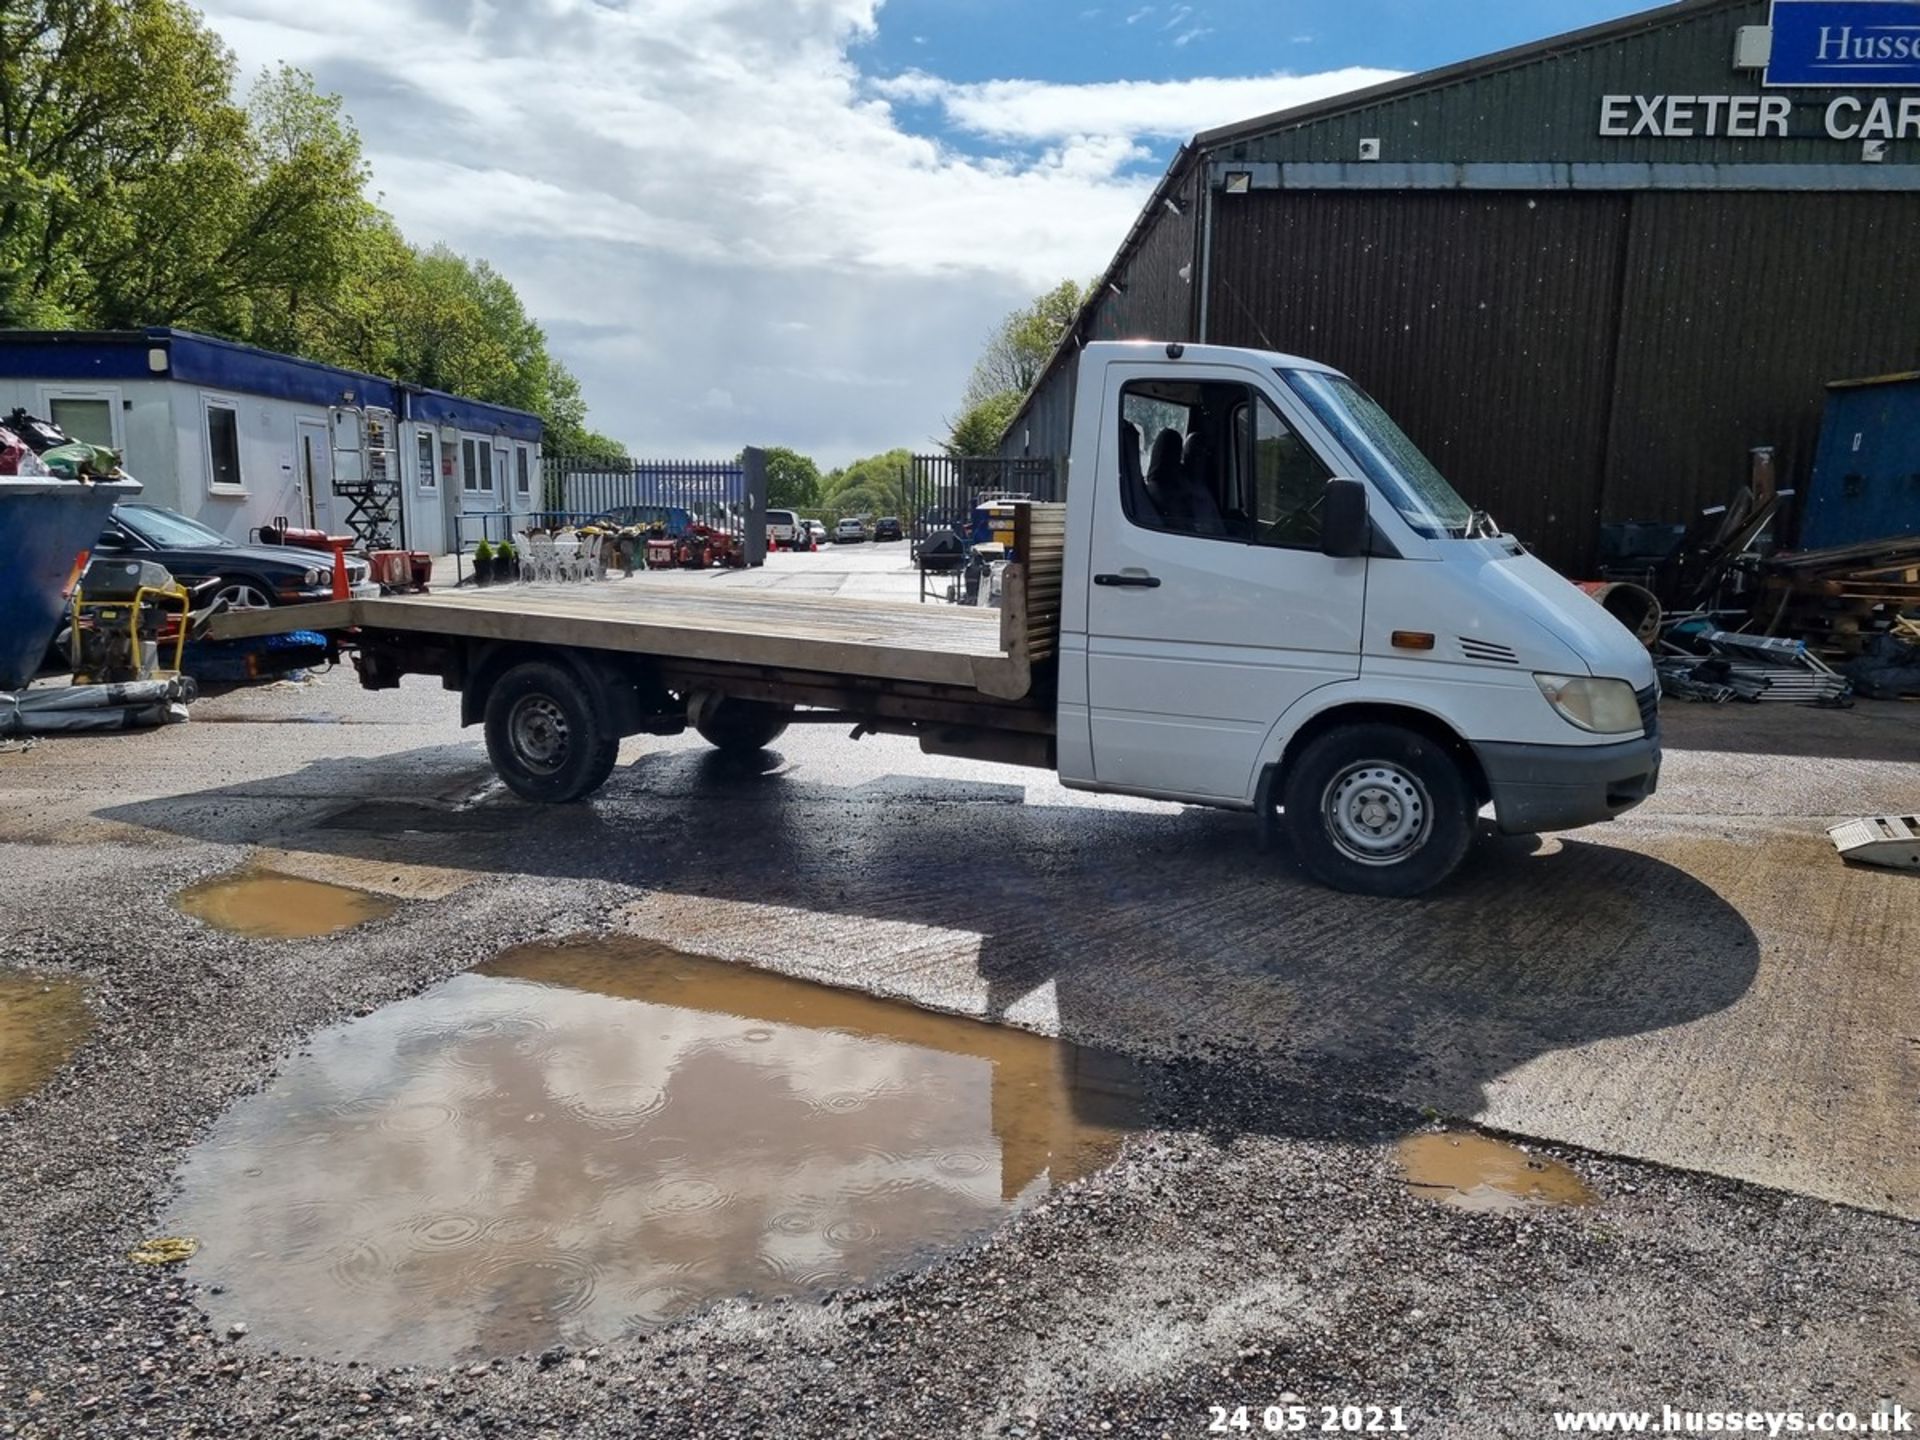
(1273, 601)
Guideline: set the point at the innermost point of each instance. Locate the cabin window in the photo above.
(223, 447)
(426, 460)
(476, 465)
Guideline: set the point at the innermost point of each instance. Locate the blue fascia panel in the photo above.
(216, 364)
(74, 355)
(435, 407)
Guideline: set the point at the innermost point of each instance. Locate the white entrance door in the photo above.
(314, 456)
(1211, 608)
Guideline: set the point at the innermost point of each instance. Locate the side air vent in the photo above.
(1487, 652)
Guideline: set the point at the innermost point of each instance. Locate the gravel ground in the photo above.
(1253, 1245)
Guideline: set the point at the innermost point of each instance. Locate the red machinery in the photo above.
(395, 570)
(698, 547)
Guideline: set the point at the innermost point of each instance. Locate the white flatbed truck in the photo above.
(1258, 595)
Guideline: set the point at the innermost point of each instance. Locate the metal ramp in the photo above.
(1890, 840)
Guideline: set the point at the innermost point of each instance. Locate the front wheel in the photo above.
(1377, 809)
(546, 736)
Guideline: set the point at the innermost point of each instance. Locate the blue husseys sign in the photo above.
(1864, 43)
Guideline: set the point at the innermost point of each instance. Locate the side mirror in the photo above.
(1344, 529)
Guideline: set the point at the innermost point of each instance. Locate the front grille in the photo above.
(1649, 701)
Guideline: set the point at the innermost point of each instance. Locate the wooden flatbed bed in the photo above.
(559, 672)
(946, 645)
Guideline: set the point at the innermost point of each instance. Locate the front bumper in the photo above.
(1562, 787)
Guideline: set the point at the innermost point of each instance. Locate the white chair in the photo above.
(583, 561)
(537, 561)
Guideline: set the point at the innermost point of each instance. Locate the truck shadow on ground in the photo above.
(1153, 930)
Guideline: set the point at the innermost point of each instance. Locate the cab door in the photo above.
(1210, 609)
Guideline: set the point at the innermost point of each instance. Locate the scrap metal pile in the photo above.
(1727, 666)
(1745, 622)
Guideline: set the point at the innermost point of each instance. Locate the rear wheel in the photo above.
(546, 734)
(740, 727)
(1378, 809)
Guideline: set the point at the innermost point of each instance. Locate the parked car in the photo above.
(888, 527)
(783, 528)
(251, 576)
(849, 531)
(816, 531)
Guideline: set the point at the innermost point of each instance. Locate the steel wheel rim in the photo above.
(1377, 812)
(538, 730)
(243, 597)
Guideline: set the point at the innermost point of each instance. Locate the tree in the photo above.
(980, 426)
(1018, 350)
(873, 485)
(134, 192)
(99, 99)
(793, 480)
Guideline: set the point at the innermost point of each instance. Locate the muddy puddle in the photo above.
(1476, 1172)
(43, 1019)
(580, 1141)
(262, 905)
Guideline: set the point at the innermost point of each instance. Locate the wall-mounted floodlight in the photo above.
(1172, 204)
(1239, 182)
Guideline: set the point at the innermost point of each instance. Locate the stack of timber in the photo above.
(1837, 599)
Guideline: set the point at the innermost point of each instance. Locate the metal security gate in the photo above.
(729, 496)
(945, 488)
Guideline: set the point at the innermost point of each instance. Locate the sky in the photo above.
(795, 222)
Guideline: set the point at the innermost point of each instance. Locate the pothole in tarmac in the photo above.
(43, 1019)
(580, 1141)
(262, 905)
(1476, 1172)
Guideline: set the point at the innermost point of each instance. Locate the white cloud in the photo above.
(706, 198)
(1014, 110)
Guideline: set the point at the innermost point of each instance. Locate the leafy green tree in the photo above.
(980, 426)
(1018, 350)
(134, 191)
(98, 99)
(1015, 357)
(793, 479)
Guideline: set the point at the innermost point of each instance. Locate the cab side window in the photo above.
(1288, 482)
(1177, 456)
(1216, 460)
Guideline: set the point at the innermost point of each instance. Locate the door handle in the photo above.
(1137, 581)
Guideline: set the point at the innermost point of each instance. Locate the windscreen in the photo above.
(1391, 461)
(165, 529)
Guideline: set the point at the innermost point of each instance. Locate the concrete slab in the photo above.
(1702, 984)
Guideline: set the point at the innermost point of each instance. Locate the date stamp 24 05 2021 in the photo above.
(1291, 1417)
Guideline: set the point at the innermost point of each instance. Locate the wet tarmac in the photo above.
(42, 1020)
(580, 1141)
(261, 905)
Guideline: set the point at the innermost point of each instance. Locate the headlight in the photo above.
(1606, 707)
(313, 577)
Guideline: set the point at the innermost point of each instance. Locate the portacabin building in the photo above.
(238, 437)
(1588, 275)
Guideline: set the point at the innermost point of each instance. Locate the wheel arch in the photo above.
(1273, 770)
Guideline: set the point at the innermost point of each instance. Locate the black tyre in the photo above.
(547, 734)
(1376, 809)
(740, 727)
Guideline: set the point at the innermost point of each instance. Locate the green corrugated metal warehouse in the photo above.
(1588, 275)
